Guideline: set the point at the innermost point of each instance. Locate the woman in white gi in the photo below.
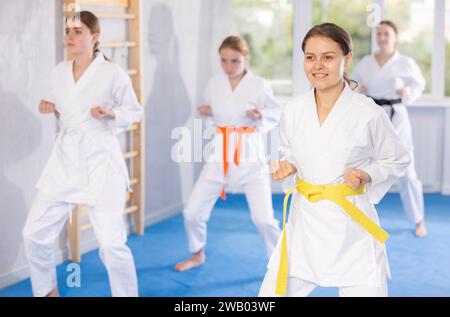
(93, 100)
(394, 81)
(344, 154)
(242, 108)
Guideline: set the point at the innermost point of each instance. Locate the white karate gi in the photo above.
(86, 166)
(325, 246)
(229, 109)
(382, 83)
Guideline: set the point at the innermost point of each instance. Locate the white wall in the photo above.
(446, 157)
(180, 54)
(27, 55)
(431, 133)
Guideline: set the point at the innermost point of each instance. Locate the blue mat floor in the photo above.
(236, 260)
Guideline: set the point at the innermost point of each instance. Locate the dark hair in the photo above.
(390, 24)
(236, 43)
(338, 35)
(92, 23)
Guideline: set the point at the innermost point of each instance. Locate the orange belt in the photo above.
(225, 131)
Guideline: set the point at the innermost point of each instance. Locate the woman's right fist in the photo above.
(205, 110)
(281, 169)
(46, 107)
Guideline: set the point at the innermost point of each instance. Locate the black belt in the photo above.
(387, 102)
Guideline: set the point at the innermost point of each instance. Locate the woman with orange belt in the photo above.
(242, 108)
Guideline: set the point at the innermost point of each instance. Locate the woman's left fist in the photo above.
(355, 178)
(100, 112)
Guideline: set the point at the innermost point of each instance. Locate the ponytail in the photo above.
(97, 51)
(353, 84)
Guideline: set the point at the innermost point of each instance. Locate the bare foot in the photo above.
(53, 293)
(421, 230)
(195, 260)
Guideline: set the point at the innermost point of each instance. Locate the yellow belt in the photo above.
(336, 194)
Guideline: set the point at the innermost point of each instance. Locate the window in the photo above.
(415, 21)
(447, 48)
(268, 27)
(352, 16)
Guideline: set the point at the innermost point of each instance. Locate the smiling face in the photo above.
(386, 38)
(79, 39)
(233, 62)
(325, 62)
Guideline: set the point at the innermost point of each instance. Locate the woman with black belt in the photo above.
(394, 81)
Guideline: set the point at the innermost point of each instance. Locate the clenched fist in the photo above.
(205, 110)
(282, 169)
(47, 107)
(401, 92)
(355, 178)
(254, 114)
(100, 112)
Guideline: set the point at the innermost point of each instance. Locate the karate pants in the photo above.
(410, 187)
(297, 287)
(204, 196)
(46, 220)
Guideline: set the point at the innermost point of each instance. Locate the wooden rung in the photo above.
(131, 154)
(114, 44)
(132, 72)
(86, 226)
(100, 3)
(83, 212)
(80, 211)
(110, 15)
(131, 209)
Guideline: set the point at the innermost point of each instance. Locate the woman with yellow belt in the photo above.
(242, 108)
(344, 154)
